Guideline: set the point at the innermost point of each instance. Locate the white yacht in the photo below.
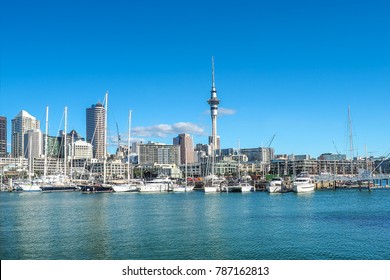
(57, 183)
(245, 187)
(130, 186)
(239, 187)
(157, 185)
(183, 188)
(303, 183)
(214, 184)
(275, 185)
(31, 186)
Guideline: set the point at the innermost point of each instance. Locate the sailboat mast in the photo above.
(239, 160)
(105, 140)
(128, 149)
(186, 170)
(29, 157)
(350, 138)
(46, 138)
(65, 136)
(72, 157)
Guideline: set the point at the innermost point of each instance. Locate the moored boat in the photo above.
(275, 185)
(130, 186)
(183, 188)
(160, 184)
(303, 183)
(95, 188)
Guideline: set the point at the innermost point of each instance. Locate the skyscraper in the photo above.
(22, 123)
(96, 129)
(33, 143)
(3, 137)
(186, 148)
(213, 102)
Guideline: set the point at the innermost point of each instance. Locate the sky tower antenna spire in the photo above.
(213, 102)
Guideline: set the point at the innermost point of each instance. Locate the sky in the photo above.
(288, 69)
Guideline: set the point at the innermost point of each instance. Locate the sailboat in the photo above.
(30, 185)
(36, 185)
(184, 187)
(59, 182)
(131, 185)
(213, 183)
(240, 185)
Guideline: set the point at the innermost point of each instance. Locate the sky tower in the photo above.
(213, 101)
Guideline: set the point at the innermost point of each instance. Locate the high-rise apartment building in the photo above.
(33, 143)
(22, 123)
(3, 137)
(157, 153)
(186, 148)
(80, 150)
(264, 155)
(96, 129)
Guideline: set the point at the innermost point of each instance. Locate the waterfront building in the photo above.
(115, 169)
(382, 166)
(154, 170)
(194, 170)
(295, 165)
(54, 166)
(3, 137)
(158, 153)
(331, 157)
(22, 123)
(71, 137)
(14, 167)
(203, 148)
(214, 102)
(80, 150)
(54, 146)
(186, 148)
(33, 140)
(299, 157)
(96, 129)
(264, 155)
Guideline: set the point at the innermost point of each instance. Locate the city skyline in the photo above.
(283, 69)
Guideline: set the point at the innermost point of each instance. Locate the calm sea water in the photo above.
(325, 225)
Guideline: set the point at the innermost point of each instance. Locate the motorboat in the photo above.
(275, 185)
(130, 186)
(159, 184)
(303, 183)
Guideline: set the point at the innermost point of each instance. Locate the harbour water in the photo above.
(324, 225)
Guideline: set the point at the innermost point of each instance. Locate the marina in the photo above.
(347, 224)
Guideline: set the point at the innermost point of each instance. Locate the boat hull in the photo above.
(211, 189)
(125, 188)
(47, 189)
(274, 189)
(30, 188)
(183, 189)
(303, 188)
(95, 189)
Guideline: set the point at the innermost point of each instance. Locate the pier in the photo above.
(354, 182)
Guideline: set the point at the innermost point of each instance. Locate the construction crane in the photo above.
(272, 140)
(337, 151)
(119, 136)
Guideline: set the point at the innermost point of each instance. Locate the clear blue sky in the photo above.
(289, 68)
